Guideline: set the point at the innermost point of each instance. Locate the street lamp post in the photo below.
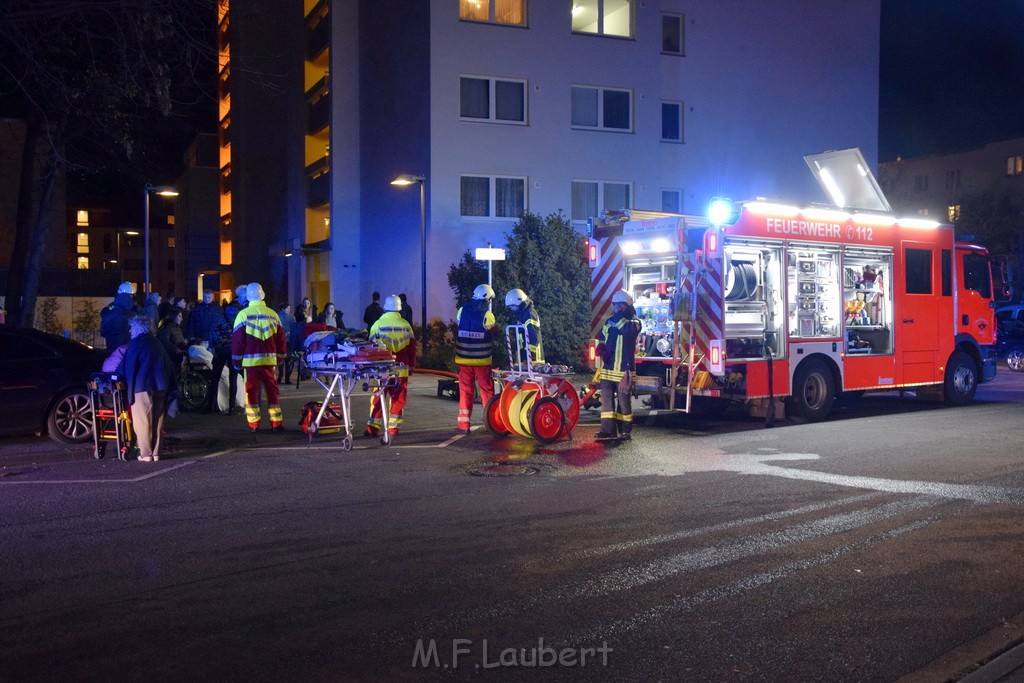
(406, 179)
(163, 191)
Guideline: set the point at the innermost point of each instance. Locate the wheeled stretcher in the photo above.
(340, 379)
(111, 419)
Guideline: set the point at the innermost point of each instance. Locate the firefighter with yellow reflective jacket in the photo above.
(523, 313)
(394, 333)
(258, 344)
(617, 349)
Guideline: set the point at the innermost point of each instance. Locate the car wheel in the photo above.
(70, 418)
(1015, 359)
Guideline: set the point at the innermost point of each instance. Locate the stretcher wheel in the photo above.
(385, 439)
(346, 442)
(547, 420)
(492, 417)
(99, 450)
(123, 453)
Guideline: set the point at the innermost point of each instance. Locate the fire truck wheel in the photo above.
(961, 379)
(813, 391)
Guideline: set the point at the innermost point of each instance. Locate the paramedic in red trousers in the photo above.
(257, 346)
(523, 313)
(617, 350)
(394, 333)
(473, 348)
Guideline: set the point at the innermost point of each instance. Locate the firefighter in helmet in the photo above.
(524, 313)
(617, 349)
(394, 333)
(258, 345)
(473, 348)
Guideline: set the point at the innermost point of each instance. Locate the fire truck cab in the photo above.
(763, 300)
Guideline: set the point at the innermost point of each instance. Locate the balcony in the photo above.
(318, 108)
(318, 31)
(318, 189)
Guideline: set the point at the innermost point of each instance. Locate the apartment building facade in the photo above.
(986, 180)
(500, 106)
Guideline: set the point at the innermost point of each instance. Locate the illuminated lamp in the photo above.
(661, 245)
(630, 248)
(721, 211)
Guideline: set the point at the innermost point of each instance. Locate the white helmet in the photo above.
(622, 297)
(254, 292)
(393, 303)
(516, 297)
(126, 288)
(483, 292)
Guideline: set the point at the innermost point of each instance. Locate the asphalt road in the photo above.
(884, 543)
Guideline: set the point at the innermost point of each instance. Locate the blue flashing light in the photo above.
(720, 212)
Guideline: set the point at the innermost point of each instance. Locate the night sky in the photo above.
(952, 75)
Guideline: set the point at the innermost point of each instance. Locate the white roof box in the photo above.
(847, 180)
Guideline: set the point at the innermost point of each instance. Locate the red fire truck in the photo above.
(764, 300)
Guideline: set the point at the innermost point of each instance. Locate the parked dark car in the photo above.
(43, 380)
(1010, 342)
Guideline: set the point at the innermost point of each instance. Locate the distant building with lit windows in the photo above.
(505, 106)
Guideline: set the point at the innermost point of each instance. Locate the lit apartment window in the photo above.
(495, 11)
(1014, 165)
(604, 108)
(492, 196)
(921, 183)
(492, 99)
(170, 243)
(603, 17)
(953, 213)
(83, 243)
(671, 121)
(922, 212)
(672, 34)
(83, 263)
(591, 197)
(82, 218)
(672, 201)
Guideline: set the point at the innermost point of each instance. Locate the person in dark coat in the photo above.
(232, 310)
(220, 345)
(284, 370)
(406, 308)
(373, 312)
(152, 308)
(203, 318)
(171, 336)
(114, 317)
(149, 376)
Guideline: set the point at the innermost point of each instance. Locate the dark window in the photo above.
(919, 271)
(616, 109)
(16, 349)
(947, 273)
(475, 98)
(976, 274)
(672, 34)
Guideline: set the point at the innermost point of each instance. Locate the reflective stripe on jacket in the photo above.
(258, 338)
(474, 342)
